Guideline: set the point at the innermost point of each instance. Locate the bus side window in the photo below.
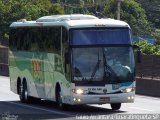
(51, 39)
(12, 39)
(19, 38)
(33, 38)
(25, 41)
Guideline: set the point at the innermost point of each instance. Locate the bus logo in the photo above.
(36, 68)
(105, 90)
(116, 86)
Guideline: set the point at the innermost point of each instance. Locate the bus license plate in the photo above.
(104, 99)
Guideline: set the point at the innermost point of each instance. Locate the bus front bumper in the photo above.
(103, 99)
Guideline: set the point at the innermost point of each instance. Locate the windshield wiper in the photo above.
(108, 71)
(95, 68)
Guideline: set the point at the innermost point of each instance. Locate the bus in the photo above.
(72, 60)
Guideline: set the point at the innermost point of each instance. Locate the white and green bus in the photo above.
(72, 59)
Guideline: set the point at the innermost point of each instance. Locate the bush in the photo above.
(148, 49)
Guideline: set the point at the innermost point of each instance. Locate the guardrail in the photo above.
(146, 86)
(149, 68)
(4, 71)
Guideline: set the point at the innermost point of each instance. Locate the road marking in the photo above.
(138, 108)
(42, 109)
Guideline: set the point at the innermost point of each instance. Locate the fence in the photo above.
(149, 68)
(4, 61)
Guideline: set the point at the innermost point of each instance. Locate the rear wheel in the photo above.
(115, 106)
(23, 92)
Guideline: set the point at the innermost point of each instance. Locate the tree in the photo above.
(157, 35)
(13, 10)
(93, 7)
(152, 8)
(132, 13)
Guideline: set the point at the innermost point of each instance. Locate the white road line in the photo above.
(138, 108)
(51, 111)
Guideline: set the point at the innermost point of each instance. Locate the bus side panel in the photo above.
(21, 67)
(49, 69)
(13, 72)
(54, 73)
(13, 80)
(35, 75)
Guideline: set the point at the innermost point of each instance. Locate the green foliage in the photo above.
(152, 8)
(157, 35)
(13, 10)
(93, 7)
(132, 13)
(148, 49)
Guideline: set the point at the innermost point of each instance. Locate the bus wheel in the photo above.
(59, 98)
(24, 93)
(115, 106)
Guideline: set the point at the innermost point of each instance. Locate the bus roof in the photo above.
(71, 21)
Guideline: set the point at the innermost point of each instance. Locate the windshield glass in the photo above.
(108, 64)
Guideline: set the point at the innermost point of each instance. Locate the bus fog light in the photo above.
(74, 99)
(129, 98)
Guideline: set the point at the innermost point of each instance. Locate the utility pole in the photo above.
(119, 9)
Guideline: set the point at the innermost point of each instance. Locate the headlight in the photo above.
(77, 91)
(127, 90)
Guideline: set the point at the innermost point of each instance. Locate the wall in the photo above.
(149, 68)
(148, 87)
(3, 61)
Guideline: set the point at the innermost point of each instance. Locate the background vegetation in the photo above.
(142, 15)
(13, 10)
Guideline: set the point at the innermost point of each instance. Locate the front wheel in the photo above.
(115, 106)
(59, 101)
(60, 104)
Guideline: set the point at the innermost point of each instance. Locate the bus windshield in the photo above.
(102, 55)
(110, 64)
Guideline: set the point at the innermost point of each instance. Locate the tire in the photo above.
(115, 106)
(59, 101)
(23, 93)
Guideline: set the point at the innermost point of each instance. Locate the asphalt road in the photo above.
(12, 109)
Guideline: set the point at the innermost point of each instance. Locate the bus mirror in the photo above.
(136, 47)
(138, 53)
(67, 58)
